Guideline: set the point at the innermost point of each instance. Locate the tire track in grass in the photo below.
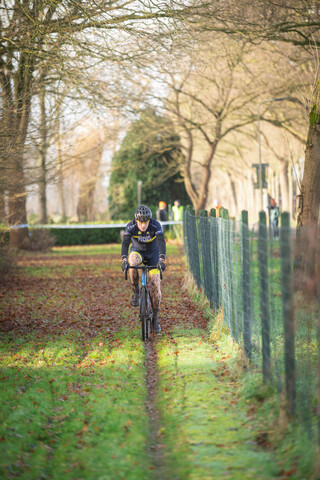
(155, 445)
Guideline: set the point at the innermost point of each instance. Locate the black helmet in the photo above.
(142, 213)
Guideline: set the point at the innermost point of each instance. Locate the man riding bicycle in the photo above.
(148, 247)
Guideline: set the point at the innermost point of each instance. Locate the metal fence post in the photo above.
(288, 314)
(246, 326)
(264, 296)
(215, 256)
(225, 270)
(194, 253)
(206, 255)
(188, 236)
(202, 246)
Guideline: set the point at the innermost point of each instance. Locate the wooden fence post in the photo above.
(214, 239)
(264, 296)
(246, 299)
(195, 250)
(288, 314)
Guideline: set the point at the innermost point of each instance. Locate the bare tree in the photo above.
(65, 37)
(213, 99)
(293, 22)
(87, 157)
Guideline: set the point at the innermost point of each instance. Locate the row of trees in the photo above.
(212, 101)
(204, 66)
(61, 54)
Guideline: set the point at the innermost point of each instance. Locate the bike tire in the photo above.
(150, 318)
(143, 311)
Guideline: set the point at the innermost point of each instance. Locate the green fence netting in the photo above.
(248, 272)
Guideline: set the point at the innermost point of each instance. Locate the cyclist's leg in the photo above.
(155, 290)
(135, 258)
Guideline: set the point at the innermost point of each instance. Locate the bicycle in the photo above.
(145, 310)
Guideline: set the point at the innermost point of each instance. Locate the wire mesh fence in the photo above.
(249, 273)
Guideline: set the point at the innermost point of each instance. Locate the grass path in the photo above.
(209, 432)
(74, 390)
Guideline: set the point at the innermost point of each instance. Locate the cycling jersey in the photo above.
(150, 241)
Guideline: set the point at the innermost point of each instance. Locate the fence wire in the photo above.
(249, 274)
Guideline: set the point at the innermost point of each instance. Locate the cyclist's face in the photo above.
(143, 225)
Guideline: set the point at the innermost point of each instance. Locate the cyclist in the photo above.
(148, 247)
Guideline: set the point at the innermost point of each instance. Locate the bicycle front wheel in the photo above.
(143, 312)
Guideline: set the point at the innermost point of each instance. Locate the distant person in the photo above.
(162, 213)
(177, 210)
(274, 217)
(217, 207)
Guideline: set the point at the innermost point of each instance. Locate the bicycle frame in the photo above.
(144, 278)
(144, 310)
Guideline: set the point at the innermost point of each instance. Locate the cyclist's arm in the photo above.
(162, 245)
(125, 246)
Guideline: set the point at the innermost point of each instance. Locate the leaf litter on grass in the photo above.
(72, 369)
(73, 374)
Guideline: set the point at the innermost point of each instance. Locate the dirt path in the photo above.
(172, 313)
(155, 446)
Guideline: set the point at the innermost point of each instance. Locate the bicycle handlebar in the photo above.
(142, 267)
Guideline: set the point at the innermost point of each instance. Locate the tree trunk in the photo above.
(234, 194)
(291, 195)
(43, 217)
(85, 206)
(310, 187)
(206, 176)
(284, 186)
(19, 233)
(307, 221)
(186, 173)
(2, 207)
(60, 174)
(16, 98)
(62, 196)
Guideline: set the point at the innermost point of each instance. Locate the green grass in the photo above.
(112, 249)
(73, 387)
(72, 409)
(293, 449)
(206, 430)
(73, 383)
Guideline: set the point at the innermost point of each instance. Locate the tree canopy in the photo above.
(150, 153)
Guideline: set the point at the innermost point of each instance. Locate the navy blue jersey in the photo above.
(149, 241)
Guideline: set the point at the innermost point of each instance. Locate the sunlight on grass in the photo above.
(205, 428)
(71, 410)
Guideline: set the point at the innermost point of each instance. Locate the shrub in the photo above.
(4, 235)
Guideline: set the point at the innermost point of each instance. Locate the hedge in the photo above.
(75, 236)
(85, 236)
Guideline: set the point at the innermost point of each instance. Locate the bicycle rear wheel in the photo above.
(150, 318)
(143, 312)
